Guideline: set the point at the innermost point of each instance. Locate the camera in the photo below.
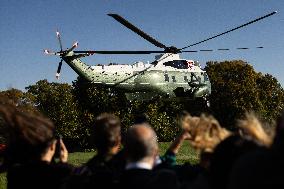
(58, 146)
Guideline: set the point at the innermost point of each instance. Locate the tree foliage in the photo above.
(95, 99)
(271, 95)
(57, 102)
(237, 88)
(18, 98)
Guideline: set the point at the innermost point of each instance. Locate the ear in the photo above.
(156, 151)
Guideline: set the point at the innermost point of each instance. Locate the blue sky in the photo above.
(28, 27)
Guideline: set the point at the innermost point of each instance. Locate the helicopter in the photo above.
(168, 76)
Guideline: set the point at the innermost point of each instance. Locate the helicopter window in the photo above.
(179, 64)
(185, 78)
(167, 78)
(206, 78)
(193, 77)
(174, 78)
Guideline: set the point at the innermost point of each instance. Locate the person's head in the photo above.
(225, 155)
(252, 128)
(187, 122)
(106, 133)
(31, 136)
(278, 142)
(206, 132)
(141, 118)
(141, 144)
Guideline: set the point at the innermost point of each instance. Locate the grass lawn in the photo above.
(186, 154)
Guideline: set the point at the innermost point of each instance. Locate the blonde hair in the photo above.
(205, 131)
(251, 127)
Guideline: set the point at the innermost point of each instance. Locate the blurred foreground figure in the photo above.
(141, 148)
(205, 131)
(105, 166)
(30, 151)
(251, 138)
(205, 134)
(104, 169)
(252, 129)
(262, 168)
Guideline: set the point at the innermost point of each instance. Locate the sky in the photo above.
(27, 27)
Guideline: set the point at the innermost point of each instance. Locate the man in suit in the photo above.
(141, 148)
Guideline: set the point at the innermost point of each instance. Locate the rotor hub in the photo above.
(172, 49)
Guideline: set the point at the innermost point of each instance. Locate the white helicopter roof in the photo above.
(161, 58)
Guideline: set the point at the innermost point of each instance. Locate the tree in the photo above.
(57, 102)
(95, 99)
(271, 95)
(162, 118)
(237, 88)
(98, 98)
(17, 98)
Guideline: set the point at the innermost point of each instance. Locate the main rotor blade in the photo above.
(59, 40)
(137, 30)
(189, 51)
(223, 49)
(243, 25)
(86, 53)
(119, 52)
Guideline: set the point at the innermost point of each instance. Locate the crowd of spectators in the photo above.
(248, 158)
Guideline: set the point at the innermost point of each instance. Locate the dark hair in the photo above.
(141, 118)
(278, 143)
(29, 134)
(106, 132)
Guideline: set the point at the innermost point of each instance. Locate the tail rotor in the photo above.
(60, 53)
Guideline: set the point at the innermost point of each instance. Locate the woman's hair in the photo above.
(106, 132)
(29, 134)
(252, 128)
(205, 131)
